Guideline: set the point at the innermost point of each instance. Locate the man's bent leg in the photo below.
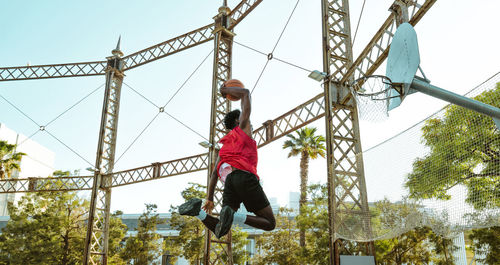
(264, 219)
(210, 222)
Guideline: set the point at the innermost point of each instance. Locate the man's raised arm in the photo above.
(246, 108)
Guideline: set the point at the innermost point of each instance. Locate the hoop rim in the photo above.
(389, 85)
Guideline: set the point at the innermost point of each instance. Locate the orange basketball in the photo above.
(233, 83)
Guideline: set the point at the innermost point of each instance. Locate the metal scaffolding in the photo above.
(344, 162)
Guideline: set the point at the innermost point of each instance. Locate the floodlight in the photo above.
(317, 75)
(205, 144)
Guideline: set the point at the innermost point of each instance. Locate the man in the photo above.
(237, 169)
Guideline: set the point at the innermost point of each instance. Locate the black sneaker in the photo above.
(191, 207)
(226, 220)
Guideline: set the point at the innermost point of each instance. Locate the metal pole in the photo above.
(328, 119)
(456, 99)
(223, 42)
(96, 241)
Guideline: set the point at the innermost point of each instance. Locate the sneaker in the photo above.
(191, 207)
(226, 220)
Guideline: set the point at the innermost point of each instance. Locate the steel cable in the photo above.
(161, 109)
(270, 55)
(43, 127)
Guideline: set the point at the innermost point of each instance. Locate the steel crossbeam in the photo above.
(169, 47)
(161, 170)
(292, 120)
(52, 71)
(46, 184)
(241, 11)
(374, 54)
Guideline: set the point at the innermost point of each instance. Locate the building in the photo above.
(294, 201)
(273, 201)
(38, 162)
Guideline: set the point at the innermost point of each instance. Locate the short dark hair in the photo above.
(230, 119)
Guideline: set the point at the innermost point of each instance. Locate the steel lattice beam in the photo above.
(169, 47)
(161, 170)
(52, 71)
(377, 49)
(241, 11)
(46, 184)
(292, 120)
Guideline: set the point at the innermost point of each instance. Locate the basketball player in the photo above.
(237, 169)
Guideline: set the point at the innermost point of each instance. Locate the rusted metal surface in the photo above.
(161, 170)
(96, 241)
(241, 11)
(52, 71)
(169, 47)
(46, 184)
(374, 54)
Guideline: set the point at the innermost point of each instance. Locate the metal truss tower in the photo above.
(96, 241)
(346, 181)
(347, 196)
(217, 250)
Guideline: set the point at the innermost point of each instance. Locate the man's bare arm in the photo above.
(211, 185)
(246, 106)
(209, 204)
(213, 180)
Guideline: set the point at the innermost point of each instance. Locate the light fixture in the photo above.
(317, 75)
(205, 144)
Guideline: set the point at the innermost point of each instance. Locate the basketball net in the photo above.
(372, 94)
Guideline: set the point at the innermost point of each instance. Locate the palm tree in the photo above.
(308, 146)
(9, 159)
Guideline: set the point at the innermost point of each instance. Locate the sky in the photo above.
(458, 49)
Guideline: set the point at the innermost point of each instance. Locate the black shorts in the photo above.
(242, 186)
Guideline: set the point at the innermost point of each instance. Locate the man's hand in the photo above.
(208, 206)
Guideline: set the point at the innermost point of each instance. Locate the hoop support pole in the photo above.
(456, 99)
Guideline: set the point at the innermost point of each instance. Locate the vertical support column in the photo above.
(346, 185)
(217, 250)
(96, 242)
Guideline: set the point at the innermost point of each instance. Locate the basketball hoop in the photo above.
(372, 94)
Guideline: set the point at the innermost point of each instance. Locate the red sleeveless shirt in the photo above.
(239, 150)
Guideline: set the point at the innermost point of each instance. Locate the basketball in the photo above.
(233, 83)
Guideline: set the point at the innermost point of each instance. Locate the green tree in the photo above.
(189, 243)
(308, 146)
(45, 228)
(117, 231)
(411, 247)
(279, 246)
(487, 241)
(464, 150)
(146, 246)
(443, 249)
(239, 242)
(314, 220)
(410, 243)
(9, 159)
